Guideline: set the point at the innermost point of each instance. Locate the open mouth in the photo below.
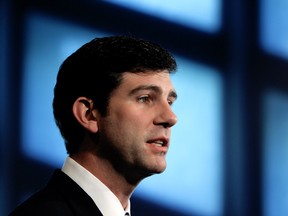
(159, 143)
(163, 142)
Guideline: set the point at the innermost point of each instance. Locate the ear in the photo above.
(84, 113)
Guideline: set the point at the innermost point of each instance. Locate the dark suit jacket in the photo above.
(62, 196)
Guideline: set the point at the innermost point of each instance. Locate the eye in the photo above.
(144, 99)
(171, 101)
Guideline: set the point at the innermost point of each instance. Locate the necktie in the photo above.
(126, 214)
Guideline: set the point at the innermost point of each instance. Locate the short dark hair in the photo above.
(94, 71)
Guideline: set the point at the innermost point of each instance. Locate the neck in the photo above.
(104, 171)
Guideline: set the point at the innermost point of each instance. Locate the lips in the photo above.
(159, 142)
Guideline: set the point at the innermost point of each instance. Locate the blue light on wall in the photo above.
(273, 27)
(275, 154)
(204, 15)
(193, 179)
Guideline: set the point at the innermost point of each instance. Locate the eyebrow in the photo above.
(154, 88)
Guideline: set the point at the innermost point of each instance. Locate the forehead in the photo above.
(157, 81)
(159, 78)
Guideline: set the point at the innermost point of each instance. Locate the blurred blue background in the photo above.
(229, 149)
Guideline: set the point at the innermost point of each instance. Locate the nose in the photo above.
(165, 116)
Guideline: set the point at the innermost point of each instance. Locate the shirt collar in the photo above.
(104, 198)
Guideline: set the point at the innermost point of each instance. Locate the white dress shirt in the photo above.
(104, 198)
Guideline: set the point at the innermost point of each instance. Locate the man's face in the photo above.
(135, 133)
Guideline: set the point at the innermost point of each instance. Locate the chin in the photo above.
(160, 169)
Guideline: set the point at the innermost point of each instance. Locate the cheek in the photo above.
(130, 115)
(130, 120)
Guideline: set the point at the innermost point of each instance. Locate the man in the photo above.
(112, 104)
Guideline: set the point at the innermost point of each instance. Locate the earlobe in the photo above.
(83, 112)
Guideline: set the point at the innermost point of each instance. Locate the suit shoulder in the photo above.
(61, 196)
(44, 203)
